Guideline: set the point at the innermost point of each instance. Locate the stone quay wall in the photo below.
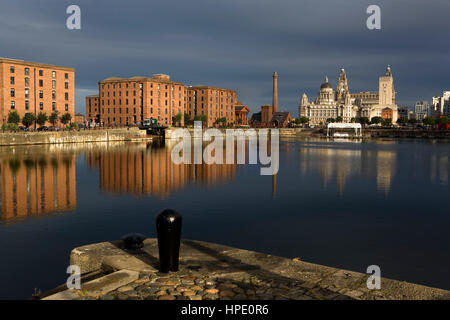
(284, 132)
(210, 271)
(82, 136)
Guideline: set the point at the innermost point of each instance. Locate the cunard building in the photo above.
(332, 103)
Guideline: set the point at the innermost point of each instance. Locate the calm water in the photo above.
(341, 204)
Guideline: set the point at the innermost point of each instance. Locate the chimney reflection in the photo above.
(37, 184)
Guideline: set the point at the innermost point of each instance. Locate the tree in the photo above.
(240, 121)
(386, 122)
(54, 117)
(28, 119)
(412, 121)
(200, 117)
(443, 120)
(429, 121)
(339, 119)
(178, 117)
(376, 120)
(364, 120)
(331, 120)
(13, 117)
(41, 118)
(401, 121)
(222, 121)
(65, 119)
(302, 120)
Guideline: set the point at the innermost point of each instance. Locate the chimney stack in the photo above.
(275, 92)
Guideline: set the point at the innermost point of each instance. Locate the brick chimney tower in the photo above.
(275, 92)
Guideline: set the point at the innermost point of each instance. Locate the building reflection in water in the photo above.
(139, 169)
(439, 168)
(340, 163)
(36, 184)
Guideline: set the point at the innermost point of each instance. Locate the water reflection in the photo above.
(34, 184)
(342, 164)
(439, 165)
(42, 179)
(148, 170)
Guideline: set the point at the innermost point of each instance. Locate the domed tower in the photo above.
(326, 93)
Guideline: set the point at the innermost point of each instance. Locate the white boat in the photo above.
(341, 135)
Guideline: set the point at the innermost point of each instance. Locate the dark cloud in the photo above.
(238, 44)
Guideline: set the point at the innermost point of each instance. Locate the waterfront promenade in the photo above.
(78, 136)
(211, 271)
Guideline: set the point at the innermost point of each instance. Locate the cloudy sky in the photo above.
(238, 44)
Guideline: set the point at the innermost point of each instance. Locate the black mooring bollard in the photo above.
(168, 227)
(133, 241)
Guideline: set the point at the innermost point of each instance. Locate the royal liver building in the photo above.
(351, 106)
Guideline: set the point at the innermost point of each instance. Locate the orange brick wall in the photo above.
(49, 103)
(128, 101)
(213, 102)
(92, 107)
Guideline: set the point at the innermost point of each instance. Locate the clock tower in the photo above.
(342, 87)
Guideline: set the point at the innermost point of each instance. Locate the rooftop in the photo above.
(34, 64)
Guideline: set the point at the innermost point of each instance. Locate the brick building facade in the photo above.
(215, 103)
(129, 101)
(93, 109)
(35, 87)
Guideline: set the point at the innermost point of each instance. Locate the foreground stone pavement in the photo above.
(210, 271)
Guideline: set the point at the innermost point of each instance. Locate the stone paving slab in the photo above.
(211, 271)
(98, 287)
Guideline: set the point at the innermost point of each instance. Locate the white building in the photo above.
(440, 105)
(342, 103)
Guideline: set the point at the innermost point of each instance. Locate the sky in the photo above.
(238, 44)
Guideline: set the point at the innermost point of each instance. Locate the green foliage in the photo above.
(364, 120)
(13, 117)
(28, 119)
(10, 127)
(401, 121)
(376, 120)
(41, 118)
(200, 117)
(301, 120)
(73, 126)
(54, 117)
(339, 119)
(330, 120)
(240, 121)
(178, 117)
(429, 121)
(412, 121)
(443, 120)
(65, 119)
(386, 122)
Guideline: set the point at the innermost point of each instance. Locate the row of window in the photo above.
(12, 69)
(134, 102)
(12, 81)
(140, 86)
(41, 106)
(41, 94)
